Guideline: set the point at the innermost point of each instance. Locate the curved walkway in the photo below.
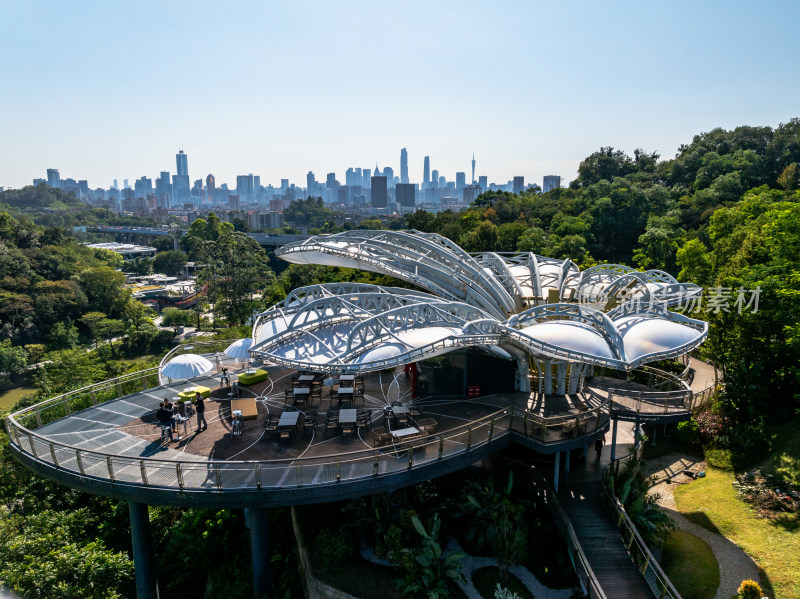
(734, 564)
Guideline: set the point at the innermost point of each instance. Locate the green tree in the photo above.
(236, 268)
(136, 313)
(170, 263)
(789, 179)
(13, 360)
(63, 335)
(141, 265)
(92, 321)
(104, 289)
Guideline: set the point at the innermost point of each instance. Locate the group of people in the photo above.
(167, 411)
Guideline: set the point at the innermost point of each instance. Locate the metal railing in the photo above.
(222, 474)
(640, 553)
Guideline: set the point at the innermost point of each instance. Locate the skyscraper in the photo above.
(551, 182)
(435, 178)
(426, 172)
(461, 180)
(311, 183)
(183, 163)
(404, 193)
(211, 185)
(483, 182)
(403, 166)
(53, 178)
(473, 167)
(379, 195)
(519, 184)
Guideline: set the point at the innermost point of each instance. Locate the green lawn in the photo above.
(690, 564)
(774, 545)
(784, 459)
(486, 579)
(12, 396)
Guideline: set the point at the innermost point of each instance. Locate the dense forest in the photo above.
(723, 213)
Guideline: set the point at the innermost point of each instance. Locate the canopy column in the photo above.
(143, 562)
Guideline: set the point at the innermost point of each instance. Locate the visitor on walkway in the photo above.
(598, 446)
(164, 417)
(200, 408)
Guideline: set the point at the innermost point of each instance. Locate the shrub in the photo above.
(688, 432)
(333, 548)
(749, 589)
(748, 439)
(711, 426)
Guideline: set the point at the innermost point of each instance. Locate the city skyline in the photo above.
(283, 89)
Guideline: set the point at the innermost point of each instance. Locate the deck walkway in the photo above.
(601, 543)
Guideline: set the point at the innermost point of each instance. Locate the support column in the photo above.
(143, 562)
(260, 551)
(561, 378)
(614, 440)
(566, 461)
(556, 470)
(636, 435)
(548, 378)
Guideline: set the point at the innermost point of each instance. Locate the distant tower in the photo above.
(183, 164)
(426, 172)
(53, 178)
(473, 167)
(403, 166)
(210, 187)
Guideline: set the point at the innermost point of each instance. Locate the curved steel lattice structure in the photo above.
(536, 310)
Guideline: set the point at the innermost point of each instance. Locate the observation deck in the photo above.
(104, 439)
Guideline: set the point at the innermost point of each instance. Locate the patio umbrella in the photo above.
(186, 366)
(240, 350)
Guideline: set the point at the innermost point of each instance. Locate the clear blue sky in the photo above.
(105, 90)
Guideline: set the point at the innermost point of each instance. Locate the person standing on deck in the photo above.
(200, 408)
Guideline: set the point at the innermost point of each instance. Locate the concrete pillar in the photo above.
(566, 461)
(548, 378)
(556, 469)
(614, 440)
(258, 523)
(561, 378)
(143, 562)
(636, 435)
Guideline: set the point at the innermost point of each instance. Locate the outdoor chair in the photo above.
(271, 425)
(310, 422)
(380, 436)
(331, 424)
(348, 429)
(284, 435)
(288, 396)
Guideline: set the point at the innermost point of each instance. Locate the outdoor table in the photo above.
(405, 432)
(306, 378)
(301, 391)
(345, 390)
(347, 416)
(247, 406)
(288, 419)
(400, 410)
(347, 378)
(181, 420)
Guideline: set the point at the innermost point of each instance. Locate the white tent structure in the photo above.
(555, 321)
(186, 366)
(239, 350)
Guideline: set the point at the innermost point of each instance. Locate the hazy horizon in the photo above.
(113, 91)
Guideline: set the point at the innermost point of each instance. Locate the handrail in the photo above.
(648, 565)
(586, 576)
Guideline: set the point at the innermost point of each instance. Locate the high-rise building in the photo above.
(366, 176)
(211, 185)
(519, 184)
(461, 180)
(404, 193)
(379, 192)
(183, 164)
(483, 182)
(473, 167)
(284, 185)
(53, 178)
(551, 182)
(311, 183)
(403, 166)
(426, 172)
(435, 178)
(245, 189)
(143, 187)
(469, 193)
(330, 180)
(388, 172)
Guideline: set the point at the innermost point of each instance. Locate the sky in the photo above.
(111, 90)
